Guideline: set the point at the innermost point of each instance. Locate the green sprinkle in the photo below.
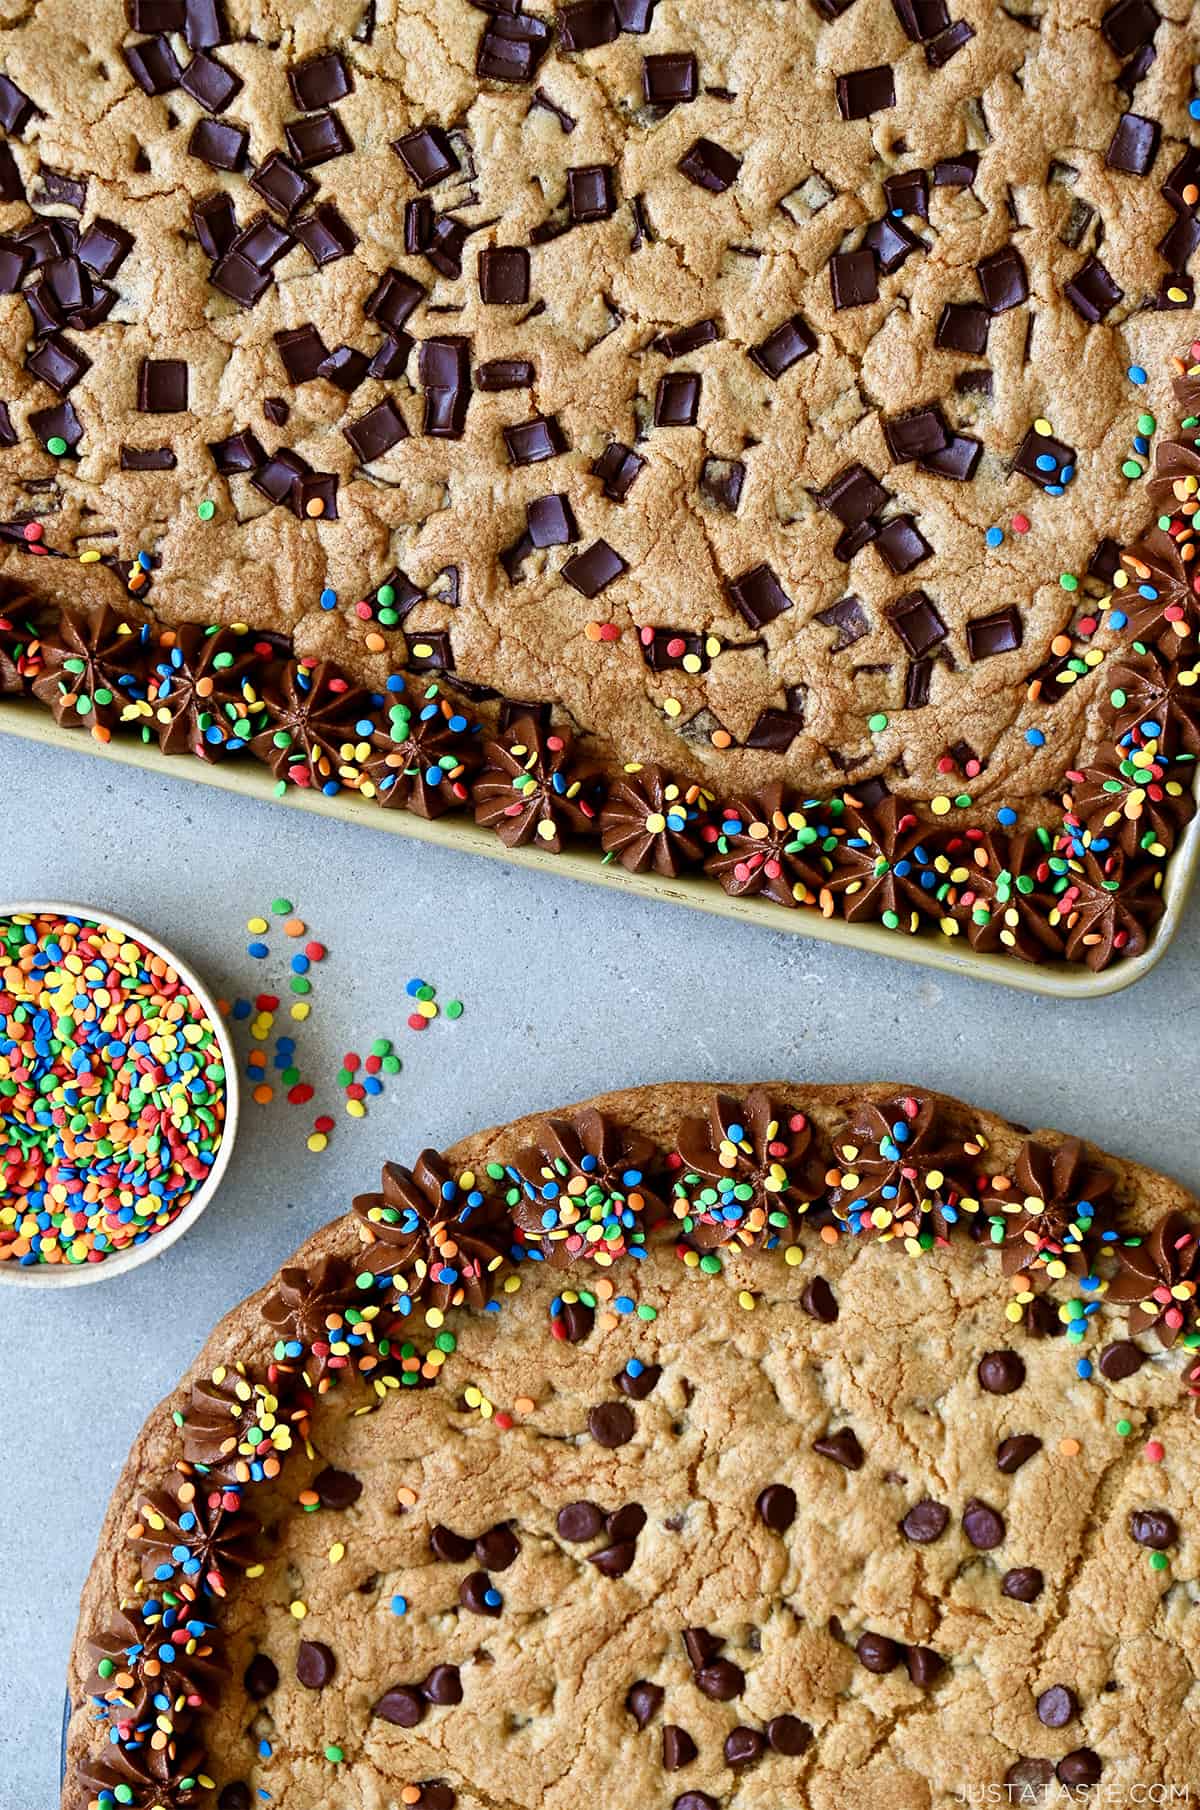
(386, 594)
(206, 510)
(298, 984)
(334, 1755)
(1158, 1561)
(1131, 469)
(1068, 581)
(454, 1008)
(382, 1046)
(1124, 1428)
(282, 908)
(877, 723)
(646, 1312)
(56, 446)
(1146, 424)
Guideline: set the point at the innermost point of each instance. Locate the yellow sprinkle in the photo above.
(793, 1256)
(511, 1284)
(256, 926)
(356, 1109)
(89, 558)
(940, 805)
(298, 1609)
(1042, 426)
(434, 1317)
(317, 1141)
(472, 1396)
(746, 1300)
(1012, 1312)
(337, 1552)
(672, 707)
(255, 1570)
(301, 1010)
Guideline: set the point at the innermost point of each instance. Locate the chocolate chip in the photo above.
(1041, 1319)
(1133, 145)
(138, 458)
(427, 154)
(877, 1653)
(819, 1301)
(435, 1796)
(262, 243)
(743, 1747)
(700, 1647)
(776, 1507)
(902, 545)
(1129, 24)
(917, 623)
(783, 347)
(236, 277)
(403, 1706)
(670, 79)
(376, 432)
(58, 363)
(303, 352)
(922, 19)
(721, 1680)
(1153, 1527)
(640, 1386)
(476, 1594)
(916, 433)
(504, 275)
(209, 82)
(281, 184)
(552, 524)
(260, 1678)
(162, 386)
(682, 340)
(589, 573)
(963, 327)
(453, 1548)
(1056, 1706)
(999, 633)
(758, 596)
(586, 24)
(956, 460)
(152, 64)
(221, 146)
(1024, 1584)
(14, 262)
(695, 1800)
(925, 1522)
(590, 192)
(203, 25)
(320, 81)
(11, 186)
(1015, 1451)
(615, 1560)
(644, 1701)
(788, 1735)
(345, 367)
(610, 1423)
(853, 278)
(677, 399)
(982, 1525)
(849, 618)
(617, 468)
(1092, 292)
(104, 247)
(1000, 1372)
(853, 496)
(1122, 1358)
(235, 1796)
(337, 1489)
(861, 92)
(678, 1748)
(529, 442)
(315, 1664)
(710, 166)
(511, 47)
(843, 1447)
(924, 1666)
(1003, 279)
(1183, 175)
(504, 374)
(393, 299)
(579, 1521)
(948, 43)
(1031, 1776)
(317, 139)
(240, 452)
(497, 1549)
(419, 218)
(1082, 1767)
(443, 1686)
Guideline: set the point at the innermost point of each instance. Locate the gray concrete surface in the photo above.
(568, 989)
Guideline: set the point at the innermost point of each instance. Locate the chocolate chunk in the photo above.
(446, 244)
(209, 82)
(817, 1298)
(137, 458)
(419, 219)
(1024, 1584)
(917, 681)
(758, 596)
(963, 327)
(11, 186)
(443, 1686)
(152, 64)
(1122, 1358)
(1092, 292)
(783, 347)
(743, 1747)
(1003, 279)
(590, 192)
(902, 545)
(678, 1748)
(57, 362)
(530, 442)
(317, 139)
(504, 275)
(453, 1548)
(877, 1653)
(104, 247)
(1016, 1451)
(907, 192)
(276, 410)
(281, 184)
(1056, 1706)
(670, 79)
(240, 452)
(925, 1522)
(586, 24)
(853, 496)
(477, 1594)
(721, 1680)
(853, 278)
(1177, 245)
(843, 1447)
(260, 1678)
(57, 423)
(644, 1701)
(610, 1423)
(948, 43)
(221, 146)
(638, 1387)
(541, 99)
(1032, 1776)
(203, 25)
(677, 399)
(788, 1735)
(325, 235)
(957, 459)
(1000, 1372)
(982, 1525)
(682, 340)
(552, 524)
(916, 433)
(721, 482)
(925, 1666)
(303, 352)
(238, 278)
(504, 374)
(162, 386)
(1136, 69)
(999, 633)
(849, 618)
(315, 494)
(589, 573)
(579, 1521)
(695, 1800)
(1082, 1767)
(1153, 1527)
(1129, 24)
(922, 19)
(235, 1796)
(65, 280)
(402, 1706)
(320, 80)
(376, 432)
(917, 623)
(393, 299)
(1184, 175)
(435, 1796)
(14, 262)
(1133, 145)
(337, 1489)
(315, 1664)
(427, 154)
(391, 360)
(512, 46)
(774, 730)
(861, 92)
(345, 368)
(700, 1646)
(1044, 459)
(776, 1507)
(710, 166)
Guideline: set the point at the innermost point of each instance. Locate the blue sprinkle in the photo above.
(624, 1304)
(1044, 462)
(1006, 815)
(1194, 109)
(1117, 619)
(994, 536)
(1035, 738)
(493, 1599)
(399, 1605)
(1137, 373)
(257, 950)
(1084, 1368)
(328, 599)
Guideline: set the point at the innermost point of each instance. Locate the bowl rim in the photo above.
(55, 1275)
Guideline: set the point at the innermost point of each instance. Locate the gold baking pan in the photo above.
(249, 780)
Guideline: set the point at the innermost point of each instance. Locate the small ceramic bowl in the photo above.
(68, 1275)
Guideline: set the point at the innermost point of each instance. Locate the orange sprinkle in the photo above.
(1070, 1448)
(524, 1404)
(315, 506)
(406, 1497)
(376, 643)
(263, 1093)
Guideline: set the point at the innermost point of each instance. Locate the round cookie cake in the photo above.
(690, 1449)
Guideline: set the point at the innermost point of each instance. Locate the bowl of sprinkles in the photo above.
(118, 1096)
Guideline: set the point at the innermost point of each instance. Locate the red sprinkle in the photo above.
(300, 1094)
(416, 1022)
(323, 1123)
(1020, 524)
(315, 951)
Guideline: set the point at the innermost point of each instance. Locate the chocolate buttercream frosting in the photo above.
(201, 693)
(883, 868)
(1102, 909)
(1152, 697)
(741, 1174)
(193, 1534)
(440, 1240)
(1001, 893)
(1158, 1278)
(772, 845)
(93, 662)
(532, 789)
(154, 1662)
(1132, 799)
(899, 1173)
(235, 1427)
(317, 720)
(580, 1191)
(306, 1310)
(652, 822)
(425, 753)
(1165, 608)
(1042, 1216)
